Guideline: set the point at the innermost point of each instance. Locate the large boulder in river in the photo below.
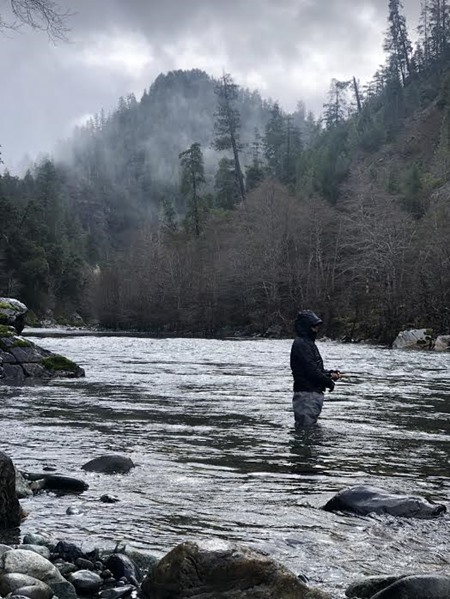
(222, 570)
(365, 499)
(109, 464)
(22, 360)
(414, 339)
(416, 586)
(10, 510)
(365, 588)
(12, 313)
(442, 343)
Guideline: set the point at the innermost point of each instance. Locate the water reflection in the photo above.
(306, 449)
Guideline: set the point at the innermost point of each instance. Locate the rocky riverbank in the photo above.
(21, 360)
(39, 567)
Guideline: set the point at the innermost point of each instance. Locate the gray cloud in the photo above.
(289, 49)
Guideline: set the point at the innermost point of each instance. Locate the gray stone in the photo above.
(64, 590)
(109, 464)
(65, 568)
(117, 592)
(36, 539)
(122, 566)
(414, 339)
(442, 343)
(24, 585)
(432, 586)
(21, 561)
(34, 592)
(85, 582)
(10, 510)
(4, 548)
(365, 499)
(143, 560)
(22, 487)
(109, 499)
(28, 355)
(68, 551)
(12, 312)
(21, 359)
(224, 570)
(13, 373)
(6, 358)
(367, 587)
(67, 484)
(39, 549)
(75, 510)
(84, 564)
(34, 370)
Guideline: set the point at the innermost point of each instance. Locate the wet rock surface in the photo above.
(109, 464)
(202, 572)
(12, 313)
(23, 361)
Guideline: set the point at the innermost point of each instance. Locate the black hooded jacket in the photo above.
(306, 361)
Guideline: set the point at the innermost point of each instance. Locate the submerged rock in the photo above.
(367, 587)
(109, 464)
(422, 586)
(364, 500)
(55, 482)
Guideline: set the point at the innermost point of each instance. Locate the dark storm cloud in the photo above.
(289, 49)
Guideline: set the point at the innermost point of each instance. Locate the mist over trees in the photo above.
(203, 209)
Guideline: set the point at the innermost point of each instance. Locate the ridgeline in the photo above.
(203, 209)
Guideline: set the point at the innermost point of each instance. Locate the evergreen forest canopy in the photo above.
(203, 209)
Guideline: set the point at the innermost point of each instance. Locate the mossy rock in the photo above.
(20, 342)
(58, 363)
(7, 331)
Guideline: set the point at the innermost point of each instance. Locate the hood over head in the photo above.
(305, 320)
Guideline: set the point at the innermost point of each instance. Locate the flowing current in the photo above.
(209, 425)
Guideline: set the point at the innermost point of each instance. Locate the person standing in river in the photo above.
(310, 378)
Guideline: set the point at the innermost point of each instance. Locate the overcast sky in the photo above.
(287, 49)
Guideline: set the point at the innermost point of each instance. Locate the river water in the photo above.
(209, 426)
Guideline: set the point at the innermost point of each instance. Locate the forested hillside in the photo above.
(203, 209)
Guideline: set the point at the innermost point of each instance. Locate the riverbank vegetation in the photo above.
(204, 209)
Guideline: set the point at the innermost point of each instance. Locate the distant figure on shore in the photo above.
(310, 378)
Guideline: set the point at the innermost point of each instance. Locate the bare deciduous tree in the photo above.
(43, 15)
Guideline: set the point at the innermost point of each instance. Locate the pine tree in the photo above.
(225, 184)
(274, 142)
(423, 48)
(293, 149)
(254, 173)
(439, 27)
(227, 126)
(337, 108)
(168, 215)
(192, 178)
(397, 43)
